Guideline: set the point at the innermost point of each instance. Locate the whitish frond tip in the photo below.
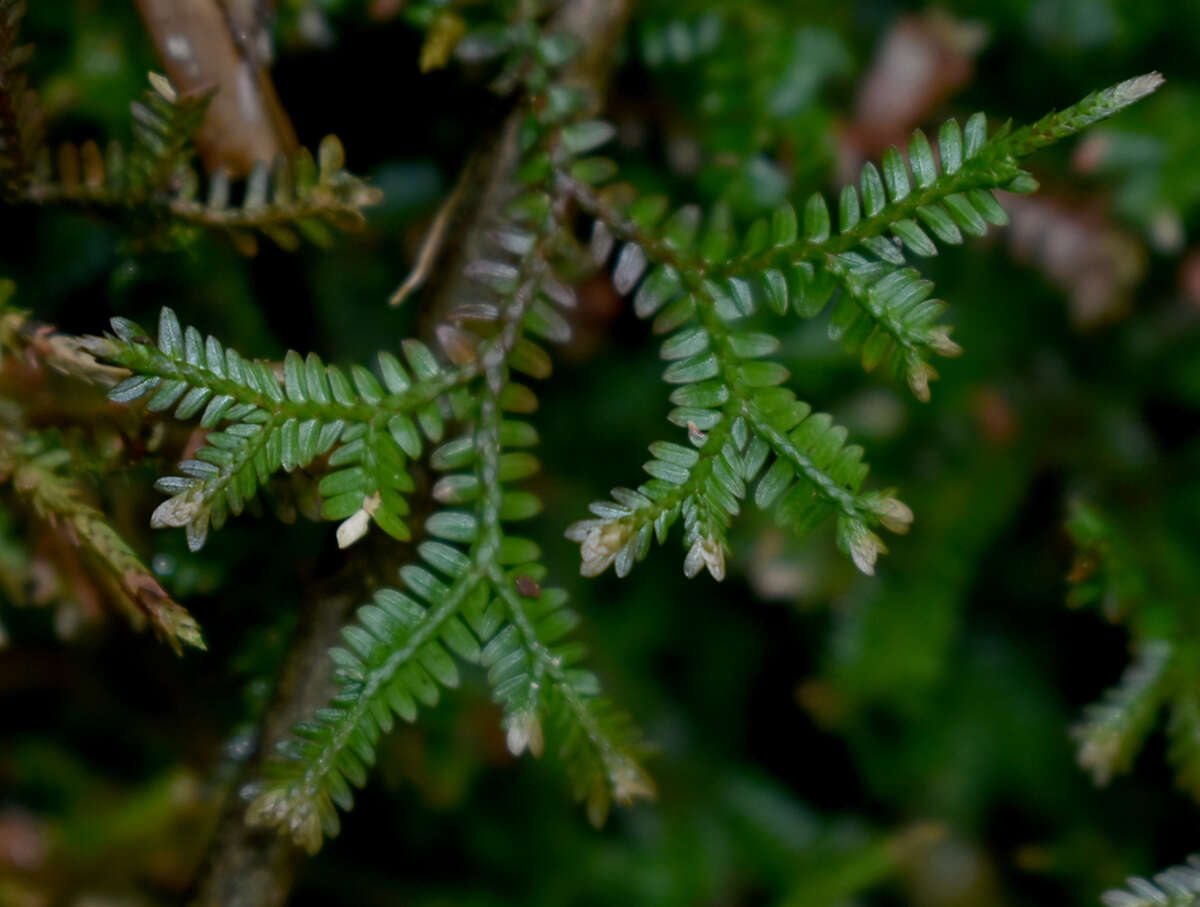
(1133, 90)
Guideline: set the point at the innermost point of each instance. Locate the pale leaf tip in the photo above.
(162, 85)
(1132, 90)
(630, 782)
(894, 515)
(525, 733)
(707, 553)
(355, 526)
(175, 512)
(600, 547)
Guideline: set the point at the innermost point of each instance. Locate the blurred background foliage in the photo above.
(825, 738)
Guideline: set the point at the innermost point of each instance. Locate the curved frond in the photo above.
(698, 279)
(395, 657)
(154, 185)
(1113, 730)
(260, 422)
(35, 466)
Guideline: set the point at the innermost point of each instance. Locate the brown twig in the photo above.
(223, 44)
(255, 867)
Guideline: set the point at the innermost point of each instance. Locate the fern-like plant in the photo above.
(1114, 572)
(704, 285)
(478, 592)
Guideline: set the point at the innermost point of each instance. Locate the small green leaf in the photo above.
(914, 237)
(631, 263)
(580, 138)
(763, 374)
(747, 345)
(529, 358)
(895, 175)
(680, 230)
(965, 214)
(950, 147)
(453, 454)
(920, 159)
(342, 482)
(647, 210)
(593, 171)
(293, 377)
(876, 348)
(170, 334)
(816, 219)
(519, 505)
(661, 286)
(985, 203)
(404, 433)
(848, 209)
(517, 465)
(331, 157)
(453, 525)
(166, 395)
(132, 388)
(674, 453)
(692, 369)
(368, 387)
(773, 483)
(776, 291)
(668, 472)
(708, 393)
(687, 342)
(783, 226)
(975, 134)
(420, 359)
(393, 373)
(939, 221)
(874, 197)
(515, 550)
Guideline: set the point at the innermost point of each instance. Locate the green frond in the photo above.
(1097, 106)
(699, 282)
(535, 675)
(728, 398)
(164, 125)
(261, 422)
(1113, 730)
(397, 655)
(816, 475)
(294, 199)
(1178, 886)
(1111, 570)
(154, 186)
(910, 203)
(477, 595)
(885, 315)
(512, 36)
(36, 467)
